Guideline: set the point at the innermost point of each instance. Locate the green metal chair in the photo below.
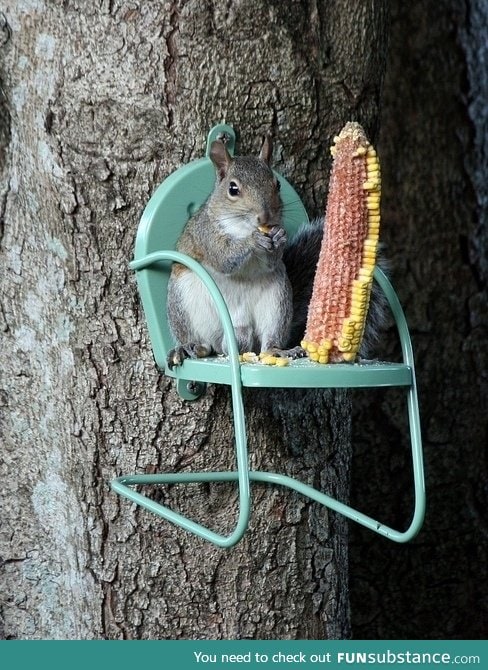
(169, 208)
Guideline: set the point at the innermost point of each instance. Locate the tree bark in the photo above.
(100, 102)
(434, 157)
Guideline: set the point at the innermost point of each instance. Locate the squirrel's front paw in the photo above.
(278, 237)
(271, 238)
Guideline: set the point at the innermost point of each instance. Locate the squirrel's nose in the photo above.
(263, 217)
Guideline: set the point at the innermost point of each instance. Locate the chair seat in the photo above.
(301, 373)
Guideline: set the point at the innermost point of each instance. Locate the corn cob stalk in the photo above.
(344, 275)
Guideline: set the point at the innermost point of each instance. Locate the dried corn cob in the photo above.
(344, 275)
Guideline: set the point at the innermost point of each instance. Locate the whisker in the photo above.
(289, 203)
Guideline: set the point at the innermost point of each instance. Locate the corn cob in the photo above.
(344, 275)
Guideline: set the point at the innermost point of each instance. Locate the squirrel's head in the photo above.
(247, 193)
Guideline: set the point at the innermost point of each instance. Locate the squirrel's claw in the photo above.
(177, 355)
(293, 353)
(278, 235)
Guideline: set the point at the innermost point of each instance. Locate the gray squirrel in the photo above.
(266, 282)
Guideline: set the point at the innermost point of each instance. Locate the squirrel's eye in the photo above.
(233, 189)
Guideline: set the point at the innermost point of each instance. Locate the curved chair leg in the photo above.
(122, 485)
(242, 476)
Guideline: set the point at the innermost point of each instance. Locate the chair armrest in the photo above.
(155, 257)
(398, 314)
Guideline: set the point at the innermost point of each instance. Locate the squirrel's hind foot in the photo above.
(177, 355)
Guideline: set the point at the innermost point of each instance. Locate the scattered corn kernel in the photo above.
(269, 360)
(250, 357)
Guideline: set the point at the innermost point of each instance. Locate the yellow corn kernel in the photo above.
(370, 249)
(373, 232)
(372, 197)
(344, 344)
(282, 362)
(349, 325)
(359, 285)
(327, 344)
(250, 357)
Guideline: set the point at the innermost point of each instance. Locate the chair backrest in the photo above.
(179, 196)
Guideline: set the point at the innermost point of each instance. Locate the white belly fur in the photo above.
(252, 305)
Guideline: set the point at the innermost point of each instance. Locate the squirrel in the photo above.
(238, 236)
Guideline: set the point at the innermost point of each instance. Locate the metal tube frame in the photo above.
(122, 485)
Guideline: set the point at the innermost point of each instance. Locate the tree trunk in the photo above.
(433, 145)
(100, 102)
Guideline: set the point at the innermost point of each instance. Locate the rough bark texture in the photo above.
(435, 176)
(100, 101)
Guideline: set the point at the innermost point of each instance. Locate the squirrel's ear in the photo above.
(266, 150)
(220, 157)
